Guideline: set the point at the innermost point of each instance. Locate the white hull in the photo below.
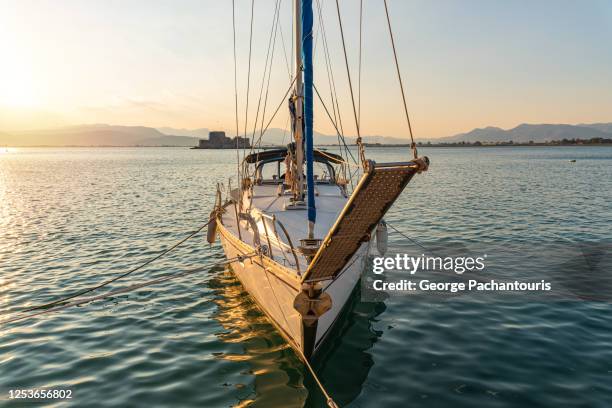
(340, 290)
(274, 290)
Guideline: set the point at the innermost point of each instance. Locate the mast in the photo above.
(298, 97)
(307, 19)
(303, 105)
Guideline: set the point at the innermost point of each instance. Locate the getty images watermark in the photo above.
(442, 275)
(429, 263)
(533, 271)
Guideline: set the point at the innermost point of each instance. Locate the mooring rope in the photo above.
(330, 402)
(131, 288)
(60, 304)
(125, 290)
(116, 278)
(414, 241)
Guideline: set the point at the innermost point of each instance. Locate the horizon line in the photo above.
(157, 128)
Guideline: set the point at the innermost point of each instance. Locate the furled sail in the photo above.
(307, 19)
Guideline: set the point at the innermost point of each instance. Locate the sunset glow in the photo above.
(18, 92)
(464, 65)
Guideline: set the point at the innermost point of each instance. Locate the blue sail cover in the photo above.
(307, 18)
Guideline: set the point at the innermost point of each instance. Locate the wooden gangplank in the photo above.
(379, 187)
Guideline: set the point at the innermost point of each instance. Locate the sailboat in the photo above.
(297, 236)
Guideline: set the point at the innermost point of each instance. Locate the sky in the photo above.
(465, 64)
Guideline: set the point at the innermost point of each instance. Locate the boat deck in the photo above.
(280, 228)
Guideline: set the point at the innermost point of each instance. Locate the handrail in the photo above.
(268, 239)
(281, 243)
(236, 203)
(248, 218)
(297, 262)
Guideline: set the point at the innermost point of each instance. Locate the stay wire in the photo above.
(236, 91)
(333, 123)
(263, 115)
(289, 72)
(399, 76)
(348, 73)
(284, 98)
(342, 139)
(263, 80)
(246, 109)
(330, 79)
(360, 49)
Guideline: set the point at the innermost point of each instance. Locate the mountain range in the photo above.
(115, 135)
(90, 135)
(525, 133)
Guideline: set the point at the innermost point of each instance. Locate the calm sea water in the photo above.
(70, 218)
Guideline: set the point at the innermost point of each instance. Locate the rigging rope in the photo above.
(333, 123)
(330, 79)
(246, 109)
(276, 111)
(263, 114)
(236, 90)
(348, 73)
(292, 37)
(285, 51)
(285, 129)
(360, 48)
(399, 76)
(335, 159)
(333, 92)
(263, 80)
(337, 121)
(116, 278)
(326, 59)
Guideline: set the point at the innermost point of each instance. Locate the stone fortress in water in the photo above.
(218, 140)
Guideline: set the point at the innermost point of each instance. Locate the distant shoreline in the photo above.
(370, 145)
(554, 143)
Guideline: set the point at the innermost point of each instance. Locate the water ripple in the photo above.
(70, 218)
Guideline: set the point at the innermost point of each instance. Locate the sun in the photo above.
(18, 79)
(17, 92)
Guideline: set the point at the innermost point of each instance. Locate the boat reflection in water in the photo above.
(280, 378)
